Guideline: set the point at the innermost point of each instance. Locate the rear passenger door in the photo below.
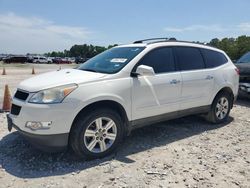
(197, 81)
(160, 93)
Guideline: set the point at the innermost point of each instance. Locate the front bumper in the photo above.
(60, 117)
(47, 143)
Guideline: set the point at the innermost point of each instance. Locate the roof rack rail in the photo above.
(171, 40)
(167, 39)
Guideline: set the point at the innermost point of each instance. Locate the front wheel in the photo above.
(220, 108)
(96, 134)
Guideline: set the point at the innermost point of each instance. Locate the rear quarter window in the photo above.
(213, 58)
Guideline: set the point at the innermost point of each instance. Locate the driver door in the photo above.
(160, 93)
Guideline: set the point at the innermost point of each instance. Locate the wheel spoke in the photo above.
(218, 113)
(218, 105)
(92, 144)
(225, 110)
(102, 145)
(220, 102)
(109, 125)
(90, 133)
(98, 123)
(221, 115)
(111, 136)
(225, 104)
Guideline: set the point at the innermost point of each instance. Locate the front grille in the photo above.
(21, 95)
(15, 110)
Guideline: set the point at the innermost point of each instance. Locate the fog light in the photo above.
(34, 125)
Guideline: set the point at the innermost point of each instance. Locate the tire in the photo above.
(88, 137)
(220, 108)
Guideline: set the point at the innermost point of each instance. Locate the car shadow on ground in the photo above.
(20, 159)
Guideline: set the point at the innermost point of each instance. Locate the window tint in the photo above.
(160, 59)
(213, 58)
(189, 58)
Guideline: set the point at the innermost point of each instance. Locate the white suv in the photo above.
(93, 107)
(41, 60)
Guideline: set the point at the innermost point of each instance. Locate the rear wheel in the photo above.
(220, 108)
(96, 134)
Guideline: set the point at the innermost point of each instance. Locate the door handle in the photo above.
(174, 81)
(209, 77)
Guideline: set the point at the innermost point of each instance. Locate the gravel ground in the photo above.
(186, 152)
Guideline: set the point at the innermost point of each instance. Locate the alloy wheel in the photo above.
(222, 108)
(100, 135)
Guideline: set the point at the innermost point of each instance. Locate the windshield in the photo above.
(245, 58)
(111, 61)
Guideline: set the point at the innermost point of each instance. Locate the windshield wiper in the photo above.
(90, 70)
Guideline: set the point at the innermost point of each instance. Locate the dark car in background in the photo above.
(2, 57)
(243, 64)
(80, 60)
(59, 60)
(15, 59)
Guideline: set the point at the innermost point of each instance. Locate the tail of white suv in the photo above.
(93, 107)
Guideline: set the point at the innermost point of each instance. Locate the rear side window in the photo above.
(160, 59)
(189, 58)
(213, 58)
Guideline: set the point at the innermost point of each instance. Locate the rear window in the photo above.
(189, 58)
(213, 58)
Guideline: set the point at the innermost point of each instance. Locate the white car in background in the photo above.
(40, 59)
(93, 107)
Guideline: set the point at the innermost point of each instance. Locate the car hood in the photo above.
(59, 78)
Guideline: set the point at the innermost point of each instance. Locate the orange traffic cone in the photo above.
(4, 72)
(33, 71)
(6, 99)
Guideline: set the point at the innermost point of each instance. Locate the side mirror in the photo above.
(144, 70)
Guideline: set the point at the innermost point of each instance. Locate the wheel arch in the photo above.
(107, 104)
(228, 90)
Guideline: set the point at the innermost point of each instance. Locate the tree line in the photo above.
(83, 50)
(234, 47)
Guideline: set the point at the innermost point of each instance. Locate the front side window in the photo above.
(111, 61)
(161, 60)
(189, 58)
(213, 58)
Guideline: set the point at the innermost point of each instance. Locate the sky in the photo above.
(39, 26)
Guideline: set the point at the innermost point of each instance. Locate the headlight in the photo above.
(52, 95)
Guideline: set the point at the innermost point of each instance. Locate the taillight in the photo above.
(237, 71)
